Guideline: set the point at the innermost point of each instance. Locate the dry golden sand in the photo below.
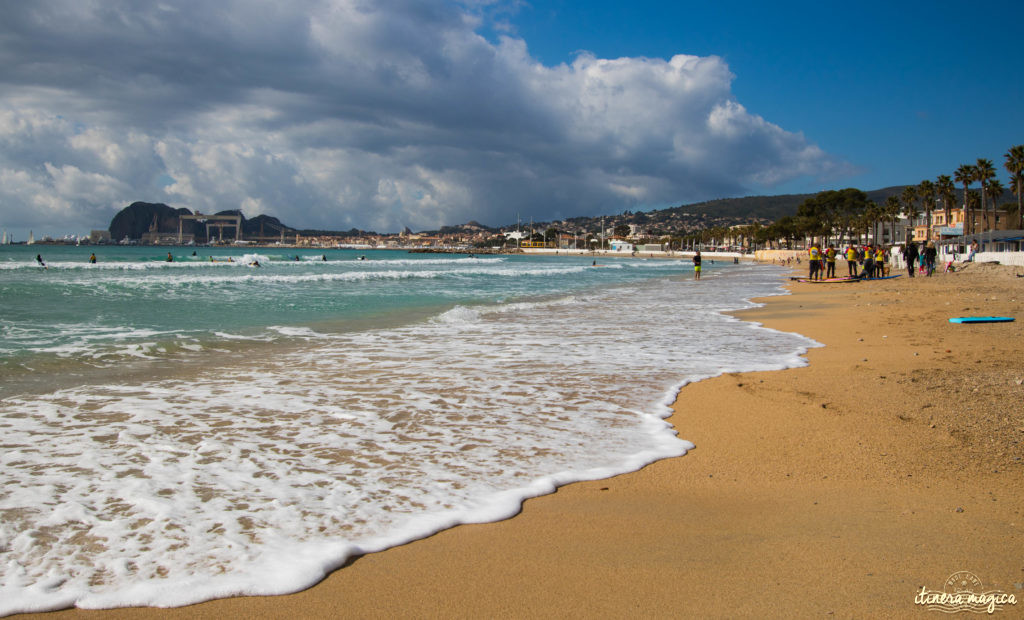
(891, 461)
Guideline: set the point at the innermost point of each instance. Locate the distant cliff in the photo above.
(136, 219)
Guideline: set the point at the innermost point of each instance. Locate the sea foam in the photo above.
(262, 476)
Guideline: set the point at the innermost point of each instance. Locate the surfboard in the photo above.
(982, 319)
(827, 281)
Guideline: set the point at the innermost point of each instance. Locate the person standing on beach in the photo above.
(930, 254)
(881, 268)
(696, 265)
(869, 262)
(830, 261)
(910, 255)
(814, 260)
(851, 261)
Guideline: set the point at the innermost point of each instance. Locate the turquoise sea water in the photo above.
(177, 431)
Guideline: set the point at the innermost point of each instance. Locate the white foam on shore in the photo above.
(239, 261)
(263, 477)
(164, 280)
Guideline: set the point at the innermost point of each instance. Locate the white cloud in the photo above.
(346, 113)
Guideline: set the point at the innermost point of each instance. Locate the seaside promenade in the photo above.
(841, 489)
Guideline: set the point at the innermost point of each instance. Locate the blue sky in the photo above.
(421, 113)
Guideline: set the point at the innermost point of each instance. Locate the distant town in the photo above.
(157, 224)
(887, 216)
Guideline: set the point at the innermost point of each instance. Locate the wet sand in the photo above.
(894, 459)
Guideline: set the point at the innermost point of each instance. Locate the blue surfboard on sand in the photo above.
(981, 319)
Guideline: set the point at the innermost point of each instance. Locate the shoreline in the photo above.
(842, 487)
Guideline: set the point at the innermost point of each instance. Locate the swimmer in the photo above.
(92, 258)
(170, 259)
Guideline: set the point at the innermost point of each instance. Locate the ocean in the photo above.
(178, 431)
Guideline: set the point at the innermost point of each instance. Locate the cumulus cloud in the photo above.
(355, 113)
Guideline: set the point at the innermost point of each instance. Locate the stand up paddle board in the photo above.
(827, 280)
(982, 319)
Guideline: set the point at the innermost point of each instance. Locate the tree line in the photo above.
(848, 213)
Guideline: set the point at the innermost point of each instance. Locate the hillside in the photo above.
(136, 219)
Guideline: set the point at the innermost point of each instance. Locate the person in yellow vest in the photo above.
(830, 261)
(814, 258)
(881, 264)
(851, 261)
(869, 262)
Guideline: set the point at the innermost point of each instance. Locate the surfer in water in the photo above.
(39, 259)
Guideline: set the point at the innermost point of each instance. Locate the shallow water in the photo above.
(227, 429)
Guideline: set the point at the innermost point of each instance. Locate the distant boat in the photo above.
(31, 238)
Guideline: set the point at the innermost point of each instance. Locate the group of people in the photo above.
(923, 259)
(871, 259)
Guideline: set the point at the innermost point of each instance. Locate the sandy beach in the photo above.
(890, 462)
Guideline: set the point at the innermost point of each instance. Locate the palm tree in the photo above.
(945, 188)
(1015, 166)
(984, 172)
(995, 190)
(869, 219)
(891, 210)
(909, 199)
(973, 200)
(926, 192)
(965, 175)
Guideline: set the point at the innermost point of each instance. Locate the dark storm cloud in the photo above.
(342, 113)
